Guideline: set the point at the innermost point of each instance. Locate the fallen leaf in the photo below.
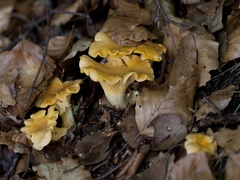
(63, 18)
(192, 166)
(218, 99)
(124, 8)
(213, 14)
(228, 139)
(168, 131)
(232, 167)
(130, 132)
(158, 168)
(126, 31)
(147, 104)
(233, 38)
(19, 68)
(207, 47)
(93, 148)
(6, 8)
(185, 62)
(67, 168)
(58, 46)
(6, 98)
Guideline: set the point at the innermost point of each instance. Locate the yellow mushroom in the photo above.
(116, 75)
(40, 126)
(200, 142)
(59, 94)
(104, 46)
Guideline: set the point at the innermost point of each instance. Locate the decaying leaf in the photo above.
(147, 104)
(158, 168)
(168, 131)
(207, 47)
(126, 31)
(228, 139)
(9, 139)
(218, 102)
(67, 168)
(185, 63)
(6, 98)
(233, 33)
(213, 14)
(93, 148)
(232, 167)
(18, 70)
(130, 132)
(126, 9)
(6, 8)
(192, 166)
(58, 46)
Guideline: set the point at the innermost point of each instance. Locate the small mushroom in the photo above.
(116, 75)
(40, 126)
(200, 142)
(59, 94)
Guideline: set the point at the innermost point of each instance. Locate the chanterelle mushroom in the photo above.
(200, 142)
(40, 126)
(116, 75)
(104, 46)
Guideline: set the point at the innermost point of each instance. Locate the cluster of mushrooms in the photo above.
(125, 64)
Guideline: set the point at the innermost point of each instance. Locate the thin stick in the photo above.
(44, 54)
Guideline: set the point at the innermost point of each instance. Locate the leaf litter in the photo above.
(190, 101)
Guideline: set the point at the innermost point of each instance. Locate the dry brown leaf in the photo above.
(185, 62)
(190, 1)
(126, 31)
(233, 33)
(192, 166)
(126, 9)
(18, 70)
(4, 42)
(218, 99)
(207, 47)
(232, 167)
(168, 131)
(58, 46)
(6, 98)
(130, 132)
(81, 45)
(67, 168)
(63, 18)
(228, 139)
(93, 148)
(6, 8)
(179, 99)
(213, 14)
(158, 168)
(147, 108)
(9, 140)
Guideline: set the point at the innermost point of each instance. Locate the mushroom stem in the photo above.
(121, 99)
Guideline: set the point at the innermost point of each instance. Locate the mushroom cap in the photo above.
(40, 126)
(105, 46)
(57, 91)
(116, 75)
(117, 70)
(150, 51)
(200, 142)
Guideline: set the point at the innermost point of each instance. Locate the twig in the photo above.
(44, 54)
(69, 12)
(168, 21)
